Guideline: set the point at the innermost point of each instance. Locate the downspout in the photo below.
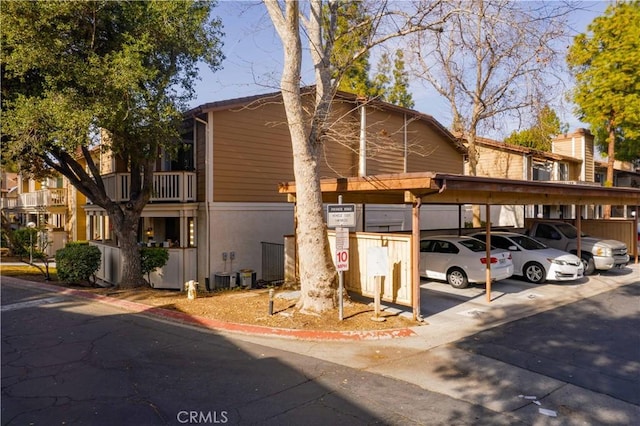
(208, 189)
(406, 143)
(362, 157)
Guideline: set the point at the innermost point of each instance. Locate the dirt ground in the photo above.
(250, 307)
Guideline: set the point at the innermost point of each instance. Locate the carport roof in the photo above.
(439, 188)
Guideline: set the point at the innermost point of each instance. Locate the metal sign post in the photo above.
(341, 217)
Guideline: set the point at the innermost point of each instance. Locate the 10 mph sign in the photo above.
(342, 260)
(342, 249)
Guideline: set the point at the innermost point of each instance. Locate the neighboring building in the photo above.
(217, 206)
(572, 160)
(51, 203)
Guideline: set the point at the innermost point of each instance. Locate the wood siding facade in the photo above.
(252, 154)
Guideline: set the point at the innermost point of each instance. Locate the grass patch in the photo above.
(26, 271)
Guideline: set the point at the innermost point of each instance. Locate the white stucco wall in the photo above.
(240, 228)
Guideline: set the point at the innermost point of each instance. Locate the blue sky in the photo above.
(254, 60)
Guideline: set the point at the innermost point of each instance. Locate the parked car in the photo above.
(533, 260)
(461, 260)
(596, 253)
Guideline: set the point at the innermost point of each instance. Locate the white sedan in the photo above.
(461, 260)
(533, 260)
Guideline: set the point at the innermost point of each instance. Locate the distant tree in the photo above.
(398, 93)
(351, 33)
(74, 70)
(492, 59)
(605, 63)
(540, 135)
(392, 85)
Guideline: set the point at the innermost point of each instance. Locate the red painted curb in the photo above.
(218, 325)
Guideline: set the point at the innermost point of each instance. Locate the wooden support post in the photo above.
(415, 254)
(488, 254)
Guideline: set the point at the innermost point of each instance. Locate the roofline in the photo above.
(525, 150)
(273, 96)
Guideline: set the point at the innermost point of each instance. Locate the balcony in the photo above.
(167, 186)
(43, 198)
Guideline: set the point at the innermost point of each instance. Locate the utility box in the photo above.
(246, 278)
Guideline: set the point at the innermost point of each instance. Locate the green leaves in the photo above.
(605, 64)
(127, 67)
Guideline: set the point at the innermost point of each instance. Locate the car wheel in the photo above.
(535, 273)
(589, 264)
(457, 278)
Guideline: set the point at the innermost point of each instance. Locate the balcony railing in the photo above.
(42, 198)
(167, 186)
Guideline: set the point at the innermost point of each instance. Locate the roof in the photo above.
(272, 97)
(439, 188)
(525, 150)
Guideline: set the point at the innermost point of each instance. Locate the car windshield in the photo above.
(569, 231)
(473, 244)
(527, 243)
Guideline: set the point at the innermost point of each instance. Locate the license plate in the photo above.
(502, 260)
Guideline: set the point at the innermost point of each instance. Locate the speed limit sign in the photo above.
(342, 260)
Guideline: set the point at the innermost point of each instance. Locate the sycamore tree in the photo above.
(316, 20)
(605, 63)
(493, 60)
(75, 70)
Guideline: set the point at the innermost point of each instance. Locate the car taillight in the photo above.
(484, 260)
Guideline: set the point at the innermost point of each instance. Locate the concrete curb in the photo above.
(217, 325)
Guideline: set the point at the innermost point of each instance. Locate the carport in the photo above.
(421, 188)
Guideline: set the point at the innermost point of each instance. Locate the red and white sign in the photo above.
(342, 260)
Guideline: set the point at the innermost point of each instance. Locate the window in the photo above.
(474, 245)
(426, 246)
(500, 242)
(563, 171)
(445, 247)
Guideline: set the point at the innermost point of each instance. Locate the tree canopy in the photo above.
(75, 71)
(352, 32)
(605, 62)
(540, 134)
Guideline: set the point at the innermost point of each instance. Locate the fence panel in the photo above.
(272, 262)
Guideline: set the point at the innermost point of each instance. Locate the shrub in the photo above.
(77, 262)
(153, 258)
(24, 237)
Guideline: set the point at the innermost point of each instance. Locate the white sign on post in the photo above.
(377, 261)
(342, 238)
(341, 215)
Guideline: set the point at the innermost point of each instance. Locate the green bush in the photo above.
(77, 262)
(22, 241)
(152, 258)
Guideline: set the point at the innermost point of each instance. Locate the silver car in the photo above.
(462, 260)
(533, 260)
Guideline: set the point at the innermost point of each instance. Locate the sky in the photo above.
(253, 61)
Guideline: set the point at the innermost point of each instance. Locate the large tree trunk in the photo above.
(318, 277)
(125, 226)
